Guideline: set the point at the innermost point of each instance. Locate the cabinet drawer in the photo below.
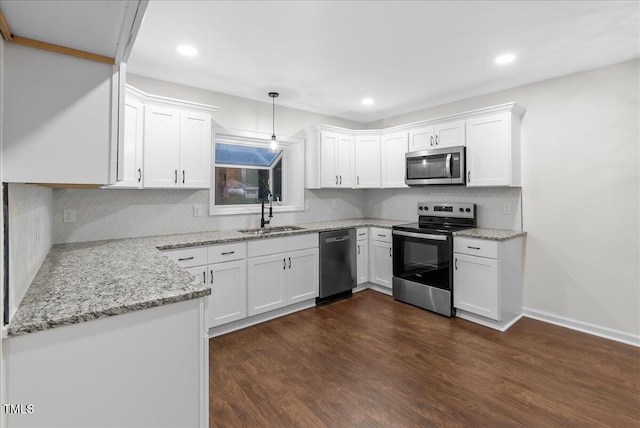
(476, 247)
(264, 247)
(302, 242)
(227, 252)
(380, 234)
(187, 257)
(362, 233)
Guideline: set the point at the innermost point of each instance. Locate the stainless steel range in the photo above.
(423, 254)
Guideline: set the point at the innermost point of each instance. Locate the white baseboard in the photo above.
(379, 288)
(584, 327)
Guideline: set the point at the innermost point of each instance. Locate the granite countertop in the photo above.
(90, 280)
(490, 234)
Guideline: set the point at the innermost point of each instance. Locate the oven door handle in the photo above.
(421, 235)
(448, 165)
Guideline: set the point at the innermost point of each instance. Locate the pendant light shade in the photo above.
(274, 142)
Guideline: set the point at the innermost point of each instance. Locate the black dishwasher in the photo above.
(337, 264)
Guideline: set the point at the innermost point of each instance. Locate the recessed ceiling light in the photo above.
(187, 50)
(368, 101)
(505, 59)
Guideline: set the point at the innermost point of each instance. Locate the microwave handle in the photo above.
(448, 165)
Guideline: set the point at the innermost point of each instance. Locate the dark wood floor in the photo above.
(370, 361)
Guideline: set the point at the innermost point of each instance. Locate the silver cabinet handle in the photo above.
(183, 176)
(431, 140)
(139, 175)
(175, 179)
(185, 258)
(422, 236)
(469, 176)
(204, 277)
(358, 180)
(336, 180)
(212, 276)
(284, 264)
(361, 234)
(358, 249)
(340, 179)
(389, 251)
(436, 140)
(473, 248)
(227, 253)
(456, 263)
(289, 262)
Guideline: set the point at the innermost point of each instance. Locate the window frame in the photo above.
(293, 163)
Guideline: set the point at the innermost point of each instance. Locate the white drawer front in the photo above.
(187, 257)
(476, 247)
(302, 242)
(362, 233)
(227, 252)
(264, 247)
(379, 234)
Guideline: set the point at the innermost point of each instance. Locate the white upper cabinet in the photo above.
(132, 164)
(177, 142)
(367, 161)
(449, 134)
(493, 149)
(394, 149)
(60, 121)
(161, 146)
(421, 138)
(195, 149)
(336, 160)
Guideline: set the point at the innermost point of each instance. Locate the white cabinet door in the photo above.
(133, 144)
(475, 282)
(381, 263)
(266, 283)
(328, 159)
(302, 275)
(161, 146)
(228, 299)
(394, 149)
(421, 139)
(450, 134)
(362, 259)
(367, 150)
(345, 160)
(489, 151)
(195, 150)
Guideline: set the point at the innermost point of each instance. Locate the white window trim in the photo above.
(293, 167)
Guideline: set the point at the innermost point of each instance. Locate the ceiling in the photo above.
(325, 56)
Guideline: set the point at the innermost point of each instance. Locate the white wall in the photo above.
(30, 237)
(581, 195)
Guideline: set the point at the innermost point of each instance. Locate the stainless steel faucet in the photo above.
(267, 194)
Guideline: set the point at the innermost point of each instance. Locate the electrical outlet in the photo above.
(197, 211)
(69, 215)
(506, 208)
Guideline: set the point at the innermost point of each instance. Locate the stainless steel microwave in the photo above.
(437, 166)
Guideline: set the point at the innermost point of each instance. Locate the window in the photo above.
(245, 169)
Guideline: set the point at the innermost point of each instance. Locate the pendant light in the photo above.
(274, 143)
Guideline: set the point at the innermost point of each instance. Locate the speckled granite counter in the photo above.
(86, 281)
(490, 234)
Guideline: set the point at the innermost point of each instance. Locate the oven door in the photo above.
(423, 258)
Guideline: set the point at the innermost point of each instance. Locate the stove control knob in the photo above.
(420, 208)
(468, 210)
(461, 210)
(426, 208)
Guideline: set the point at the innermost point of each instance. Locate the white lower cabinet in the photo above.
(381, 259)
(228, 300)
(487, 280)
(362, 256)
(284, 278)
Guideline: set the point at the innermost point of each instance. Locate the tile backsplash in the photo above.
(120, 213)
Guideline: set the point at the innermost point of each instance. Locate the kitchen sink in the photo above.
(268, 230)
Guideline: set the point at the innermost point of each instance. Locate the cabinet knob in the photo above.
(389, 251)
(289, 262)
(469, 176)
(183, 176)
(139, 175)
(336, 180)
(358, 249)
(284, 264)
(175, 179)
(436, 140)
(212, 277)
(431, 140)
(204, 277)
